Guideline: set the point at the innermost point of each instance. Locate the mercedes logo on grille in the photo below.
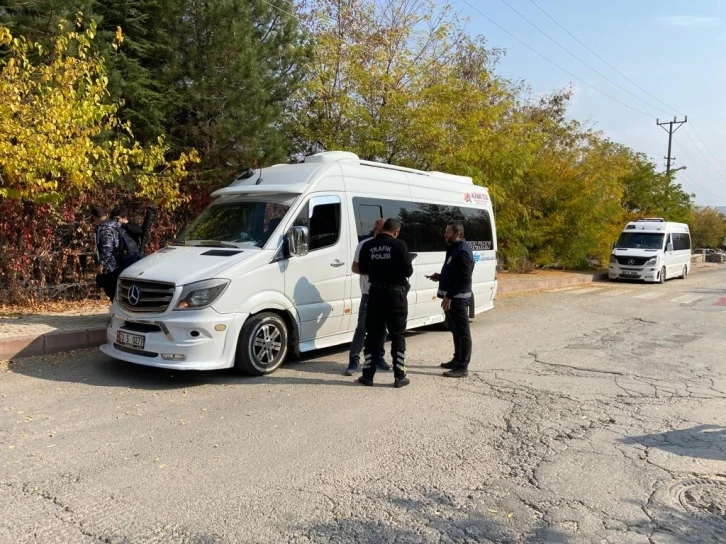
(134, 295)
(630, 261)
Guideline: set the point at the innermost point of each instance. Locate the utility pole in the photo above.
(670, 130)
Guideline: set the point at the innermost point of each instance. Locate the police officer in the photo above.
(388, 265)
(455, 290)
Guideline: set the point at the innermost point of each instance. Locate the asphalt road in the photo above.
(591, 415)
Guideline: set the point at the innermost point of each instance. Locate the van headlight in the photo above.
(613, 260)
(652, 262)
(201, 294)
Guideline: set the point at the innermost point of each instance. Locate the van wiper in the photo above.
(212, 243)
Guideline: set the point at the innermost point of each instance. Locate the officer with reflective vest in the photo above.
(388, 264)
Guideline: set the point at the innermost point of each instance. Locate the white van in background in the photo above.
(651, 250)
(266, 268)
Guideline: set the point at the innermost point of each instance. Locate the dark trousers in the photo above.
(458, 317)
(360, 336)
(108, 282)
(387, 308)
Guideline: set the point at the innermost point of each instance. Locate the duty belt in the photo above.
(389, 287)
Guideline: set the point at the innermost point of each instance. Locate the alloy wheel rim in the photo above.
(266, 345)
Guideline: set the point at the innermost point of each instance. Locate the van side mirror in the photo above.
(669, 246)
(298, 241)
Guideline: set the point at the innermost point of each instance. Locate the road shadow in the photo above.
(668, 521)
(433, 518)
(90, 367)
(700, 442)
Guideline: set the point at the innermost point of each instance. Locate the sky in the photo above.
(672, 51)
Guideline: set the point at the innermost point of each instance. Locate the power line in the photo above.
(693, 182)
(278, 8)
(695, 131)
(719, 174)
(699, 188)
(613, 68)
(500, 27)
(566, 50)
(707, 148)
(695, 161)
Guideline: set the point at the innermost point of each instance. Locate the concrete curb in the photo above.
(512, 286)
(18, 347)
(51, 342)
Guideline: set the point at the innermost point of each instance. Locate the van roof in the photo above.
(295, 178)
(654, 224)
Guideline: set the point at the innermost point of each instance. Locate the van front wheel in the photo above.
(262, 345)
(663, 274)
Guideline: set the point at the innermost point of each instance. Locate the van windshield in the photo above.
(640, 240)
(240, 223)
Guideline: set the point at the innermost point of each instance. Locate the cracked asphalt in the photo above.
(591, 415)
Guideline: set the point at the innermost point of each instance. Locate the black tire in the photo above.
(262, 346)
(685, 272)
(663, 274)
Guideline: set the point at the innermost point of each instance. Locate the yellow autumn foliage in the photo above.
(60, 136)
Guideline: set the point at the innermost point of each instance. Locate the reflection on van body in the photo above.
(265, 270)
(651, 250)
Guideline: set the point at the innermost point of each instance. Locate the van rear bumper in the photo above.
(182, 341)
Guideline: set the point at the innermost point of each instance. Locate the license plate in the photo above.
(129, 340)
(631, 274)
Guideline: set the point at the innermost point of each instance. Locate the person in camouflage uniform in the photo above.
(107, 251)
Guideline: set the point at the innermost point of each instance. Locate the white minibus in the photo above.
(265, 270)
(652, 250)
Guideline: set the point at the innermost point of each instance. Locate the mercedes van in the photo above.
(652, 250)
(265, 270)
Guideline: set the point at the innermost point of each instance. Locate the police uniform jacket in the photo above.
(455, 276)
(386, 261)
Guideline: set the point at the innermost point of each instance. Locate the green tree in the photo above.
(652, 194)
(235, 65)
(708, 228)
(52, 118)
(37, 20)
(136, 68)
(402, 81)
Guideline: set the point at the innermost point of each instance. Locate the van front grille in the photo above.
(144, 296)
(633, 261)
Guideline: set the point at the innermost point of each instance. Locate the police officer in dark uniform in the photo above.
(455, 290)
(388, 265)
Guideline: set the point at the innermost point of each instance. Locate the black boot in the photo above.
(456, 373)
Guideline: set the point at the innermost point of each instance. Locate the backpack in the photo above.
(128, 251)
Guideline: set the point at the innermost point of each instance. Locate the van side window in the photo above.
(478, 229)
(676, 237)
(366, 216)
(424, 224)
(323, 223)
(681, 241)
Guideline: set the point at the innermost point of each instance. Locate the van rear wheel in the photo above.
(262, 345)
